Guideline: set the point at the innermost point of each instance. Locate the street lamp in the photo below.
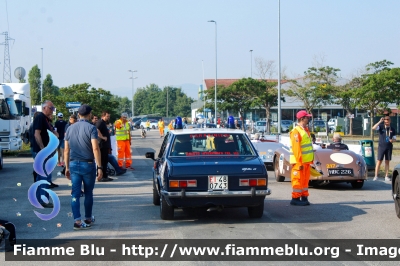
(251, 63)
(133, 78)
(215, 86)
(279, 67)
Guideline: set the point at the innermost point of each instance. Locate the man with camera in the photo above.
(387, 135)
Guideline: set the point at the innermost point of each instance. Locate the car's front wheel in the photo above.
(156, 196)
(256, 211)
(278, 177)
(396, 195)
(153, 127)
(166, 211)
(357, 184)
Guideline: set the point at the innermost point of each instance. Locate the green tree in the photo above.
(34, 79)
(345, 96)
(378, 90)
(49, 89)
(153, 100)
(238, 96)
(316, 88)
(98, 99)
(265, 94)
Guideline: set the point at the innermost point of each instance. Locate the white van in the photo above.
(261, 126)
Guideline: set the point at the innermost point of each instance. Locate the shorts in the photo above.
(61, 144)
(387, 153)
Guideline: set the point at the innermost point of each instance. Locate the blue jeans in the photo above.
(82, 172)
(113, 161)
(40, 193)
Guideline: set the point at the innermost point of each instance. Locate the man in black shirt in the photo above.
(41, 124)
(60, 126)
(387, 135)
(337, 143)
(104, 143)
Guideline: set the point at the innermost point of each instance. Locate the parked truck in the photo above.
(10, 127)
(22, 97)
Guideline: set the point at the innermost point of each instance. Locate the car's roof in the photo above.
(205, 130)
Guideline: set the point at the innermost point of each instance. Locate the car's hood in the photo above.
(216, 165)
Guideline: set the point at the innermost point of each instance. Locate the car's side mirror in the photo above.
(150, 155)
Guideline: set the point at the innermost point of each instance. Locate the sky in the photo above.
(171, 43)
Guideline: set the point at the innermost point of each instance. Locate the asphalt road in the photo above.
(124, 210)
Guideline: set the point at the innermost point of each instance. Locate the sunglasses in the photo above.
(51, 108)
(386, 119)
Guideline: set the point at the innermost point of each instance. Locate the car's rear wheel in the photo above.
(357, 184)
(166, 211)
(396, 195)
(156, 196)
(256, 211)
(278, 177)
(153, 127)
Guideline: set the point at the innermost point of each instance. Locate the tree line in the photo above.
(149, 100)
(374, 89)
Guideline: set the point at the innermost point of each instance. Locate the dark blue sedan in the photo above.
(223, 171)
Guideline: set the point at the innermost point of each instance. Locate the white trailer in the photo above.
(22, 97)
(10, 127)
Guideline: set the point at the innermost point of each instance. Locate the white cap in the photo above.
(60, 115)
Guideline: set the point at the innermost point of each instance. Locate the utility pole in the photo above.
(7, 64)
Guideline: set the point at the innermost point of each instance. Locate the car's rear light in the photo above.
(155, 165)
(192, 183)
(173, 183)
(261, 182)
(243, 182)
(253, 182)
(182, 183)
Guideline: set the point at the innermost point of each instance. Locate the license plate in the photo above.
(218, 182)
(339, 172)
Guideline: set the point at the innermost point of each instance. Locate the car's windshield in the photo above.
(210, 144)
(286, 122)
(261, 124)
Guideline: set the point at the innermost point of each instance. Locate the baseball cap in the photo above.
(60, 115)
(302, 113)
(84, 109)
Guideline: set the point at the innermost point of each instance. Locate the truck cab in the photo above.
(10, 128)
(23, 102)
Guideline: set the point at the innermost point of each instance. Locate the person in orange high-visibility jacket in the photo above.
(301, 156)
(161, 127)
(171, 125)
(123, 137)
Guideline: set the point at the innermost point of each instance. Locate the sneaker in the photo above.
(375, 178)
(58, 164)
(387, 179)
(130, 168)
(123, 171)
(90, 221)
(81, 226)
(106, 179)
(52, 185)
(47, 205)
